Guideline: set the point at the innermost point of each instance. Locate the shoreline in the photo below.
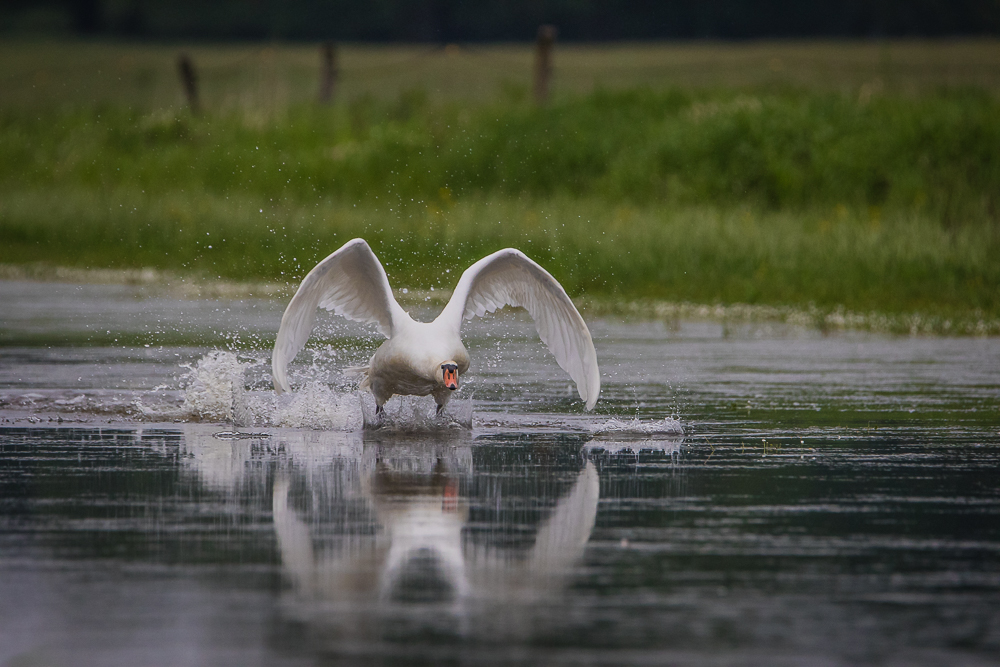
(836, 318)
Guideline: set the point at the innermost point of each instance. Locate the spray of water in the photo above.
(412, 414)
(223, 387)
(215, 389)
(617, 436)
(668, 426)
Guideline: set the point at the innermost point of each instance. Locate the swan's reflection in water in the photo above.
(388, 538)
(388, 546)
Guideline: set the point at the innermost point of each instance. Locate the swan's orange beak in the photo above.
(450, 373)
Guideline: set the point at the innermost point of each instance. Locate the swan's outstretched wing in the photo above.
(508, 277)
(350, 282)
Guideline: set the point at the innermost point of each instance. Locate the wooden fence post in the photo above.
(189, 81)
(328, 72)
(543, 62)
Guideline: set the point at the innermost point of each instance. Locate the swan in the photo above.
(421, 358)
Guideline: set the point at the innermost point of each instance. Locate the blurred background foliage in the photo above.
(502, 20)
(816, 174)
(789, 150)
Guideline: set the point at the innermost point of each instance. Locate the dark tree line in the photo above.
(513, 20)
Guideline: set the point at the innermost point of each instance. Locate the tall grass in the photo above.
(697, 254)
(935, 155)
(767, 195)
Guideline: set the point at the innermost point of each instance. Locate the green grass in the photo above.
(809, 197)
(694, 254)
(783, 150)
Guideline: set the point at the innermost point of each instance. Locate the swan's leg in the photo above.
(379, 418)
(382, 394)
(441, 398)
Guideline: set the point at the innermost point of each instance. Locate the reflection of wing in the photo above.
(561, 539)
(351, 282)
(508, 277)
(294, 541)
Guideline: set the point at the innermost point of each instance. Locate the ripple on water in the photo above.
(834, 502)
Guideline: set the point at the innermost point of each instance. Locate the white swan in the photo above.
(422, 358)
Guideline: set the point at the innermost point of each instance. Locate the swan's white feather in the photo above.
(350, 282)
(509, 277)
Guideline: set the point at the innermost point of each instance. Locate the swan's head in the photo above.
(448, 374)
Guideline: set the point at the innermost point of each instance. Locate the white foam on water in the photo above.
(667, 426)
(635, 435)
(67, 402)
(224, 388)
(315, 406)
(214, 390)
(211, 386)
(416, 414)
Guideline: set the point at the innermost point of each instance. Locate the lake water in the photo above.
(743, 494)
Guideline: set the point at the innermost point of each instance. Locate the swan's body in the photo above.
(409, 363)
(427, 358)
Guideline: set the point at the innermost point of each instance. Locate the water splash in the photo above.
(215, 389)
(234, 390)
(212, 385)
(667, 426)
(413, 414)
(315, 406)
(211, 390)
(617, 436)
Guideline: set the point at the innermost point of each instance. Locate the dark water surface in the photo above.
(833, 500)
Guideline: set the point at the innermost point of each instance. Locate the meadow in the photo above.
(821, 178)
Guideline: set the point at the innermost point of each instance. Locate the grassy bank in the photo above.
(934, 156)
(773, 195)
(693, 254)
